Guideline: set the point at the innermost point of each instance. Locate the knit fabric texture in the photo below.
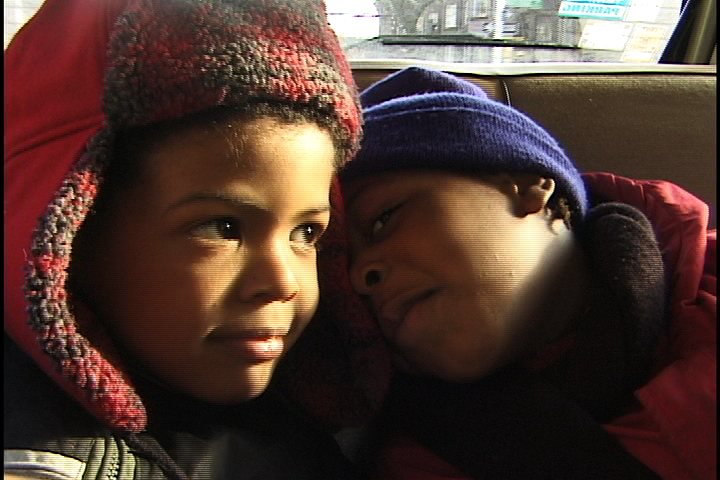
(170, 59)
(167, 59)
(419, 118)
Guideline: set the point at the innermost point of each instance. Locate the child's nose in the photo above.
(271, 277)
(365, 276)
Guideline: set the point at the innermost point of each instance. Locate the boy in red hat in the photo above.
(168, 167)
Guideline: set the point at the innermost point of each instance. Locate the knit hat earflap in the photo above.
(419, 118)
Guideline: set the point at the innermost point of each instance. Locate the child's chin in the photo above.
(241, 388)
(440, 371)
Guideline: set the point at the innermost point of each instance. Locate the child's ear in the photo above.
(530, 193)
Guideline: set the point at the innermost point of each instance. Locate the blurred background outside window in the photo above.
(16, 13)
(505, 31)
(484, 31)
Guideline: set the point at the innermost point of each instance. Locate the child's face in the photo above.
(449, 267)
(206, 270)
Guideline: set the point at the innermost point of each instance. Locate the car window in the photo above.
(483, 31)
(15, 14)
(505, 31)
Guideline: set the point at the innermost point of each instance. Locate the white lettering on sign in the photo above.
(582, 9)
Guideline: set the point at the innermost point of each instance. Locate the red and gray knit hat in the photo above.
(166, 59)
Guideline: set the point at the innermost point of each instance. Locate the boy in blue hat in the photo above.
(528, 325)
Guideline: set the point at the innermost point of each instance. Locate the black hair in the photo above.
(131, 146)
(560, 208)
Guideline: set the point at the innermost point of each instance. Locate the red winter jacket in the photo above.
(673, 430)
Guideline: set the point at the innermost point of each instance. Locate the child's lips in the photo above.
(257, 345)
(396, 312)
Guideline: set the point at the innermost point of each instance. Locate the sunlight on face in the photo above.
(208, 269)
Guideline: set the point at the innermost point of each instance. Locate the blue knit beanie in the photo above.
(425, 119)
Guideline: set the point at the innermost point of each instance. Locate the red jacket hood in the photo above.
(49, 119)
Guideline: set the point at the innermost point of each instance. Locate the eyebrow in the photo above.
(238, 202)
(363, 191)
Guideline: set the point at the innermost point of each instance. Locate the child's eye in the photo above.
(222, 228)
(382, 219)
(307, 234)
